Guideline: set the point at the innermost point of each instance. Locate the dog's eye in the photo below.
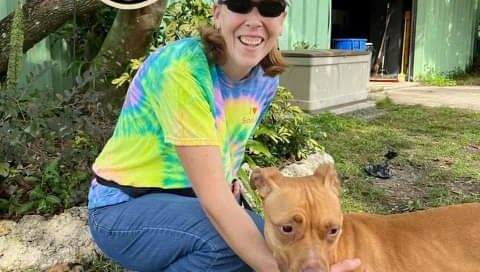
(332, 231)
(287, 229)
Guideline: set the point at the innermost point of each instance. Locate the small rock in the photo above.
(37, 242)
(307, 166)
(5, 227)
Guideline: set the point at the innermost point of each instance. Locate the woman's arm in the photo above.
(204, 168)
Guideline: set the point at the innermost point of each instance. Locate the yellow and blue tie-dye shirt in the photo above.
(178, 98)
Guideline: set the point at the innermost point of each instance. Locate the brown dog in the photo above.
(307, 231)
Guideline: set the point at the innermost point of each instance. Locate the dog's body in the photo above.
(306, 230)
(441, 239)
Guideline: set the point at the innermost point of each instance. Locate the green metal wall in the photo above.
(477, 33)
(44, 64)
(445, 35)
(307, 20)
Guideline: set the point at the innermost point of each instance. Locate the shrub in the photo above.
(49, 140)
(183, 19)
(431, 77)
(285, 135)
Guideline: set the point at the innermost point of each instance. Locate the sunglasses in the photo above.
(265, 8)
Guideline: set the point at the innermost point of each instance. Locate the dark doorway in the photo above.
(366, 19)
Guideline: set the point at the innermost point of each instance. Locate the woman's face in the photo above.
(249, 37)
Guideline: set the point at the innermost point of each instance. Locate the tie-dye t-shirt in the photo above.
(179, 98)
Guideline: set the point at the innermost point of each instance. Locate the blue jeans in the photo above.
(163, 232)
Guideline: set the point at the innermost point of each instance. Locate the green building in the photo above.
(422, 35)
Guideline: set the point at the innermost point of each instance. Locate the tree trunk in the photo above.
(42, 17)
(130, 36)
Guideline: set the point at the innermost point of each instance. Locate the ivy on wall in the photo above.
(15, 57)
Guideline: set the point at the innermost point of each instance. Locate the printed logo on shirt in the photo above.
(251, 116)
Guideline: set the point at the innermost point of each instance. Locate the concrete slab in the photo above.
(348, 108)
(465, 97)
(383, 86)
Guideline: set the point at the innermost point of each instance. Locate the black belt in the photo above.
(137, 192)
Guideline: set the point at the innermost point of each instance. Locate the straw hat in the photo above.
(128, 4)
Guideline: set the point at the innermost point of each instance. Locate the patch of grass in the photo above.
(386, 102)
(471, 79)
(350, 204)
(101, 264)
(471, 76)
(441, 145)
(436, 79)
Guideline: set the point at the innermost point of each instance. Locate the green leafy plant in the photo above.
(431, 77)
(47, 192)
(15, 57)
(302, 45)
(84, 36)
(252, 196)
(127, 76)
(285, 134)
(183, 19)
(49, 141)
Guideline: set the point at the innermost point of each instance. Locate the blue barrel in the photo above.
(350, 44)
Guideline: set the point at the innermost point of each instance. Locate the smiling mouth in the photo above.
(250, 41)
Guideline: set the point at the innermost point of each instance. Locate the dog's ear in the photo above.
(327, 174)
(264, 180)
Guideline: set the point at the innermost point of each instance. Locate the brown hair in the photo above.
(273, 63)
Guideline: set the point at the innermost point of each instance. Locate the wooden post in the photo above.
(405, 43)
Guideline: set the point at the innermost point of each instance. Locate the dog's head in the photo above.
(303, 217)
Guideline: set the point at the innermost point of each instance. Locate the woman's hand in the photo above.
(347, 265)
(237, 189)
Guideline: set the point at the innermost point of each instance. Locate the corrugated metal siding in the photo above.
(46, 61)
(444, 39)
(307, 20)
(477, 30)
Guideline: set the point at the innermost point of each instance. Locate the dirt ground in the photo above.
(404, 191)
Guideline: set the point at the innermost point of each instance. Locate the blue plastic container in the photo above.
(350, 44)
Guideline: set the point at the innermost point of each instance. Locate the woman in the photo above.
(162, 199)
